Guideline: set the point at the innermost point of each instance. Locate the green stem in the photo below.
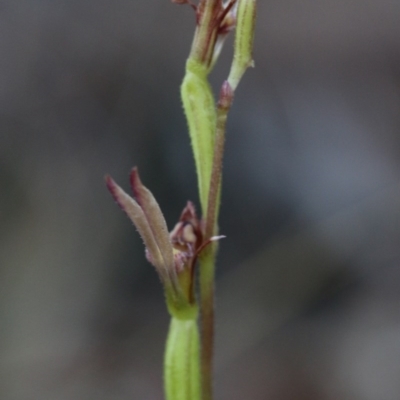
(181, 368)
(207, 260)
(207, 130)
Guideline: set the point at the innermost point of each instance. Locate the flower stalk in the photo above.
(189, 356)
(241, 15)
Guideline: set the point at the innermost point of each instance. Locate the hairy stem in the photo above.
(207, 261)
(224, 105)
(207, 130)
(207, 270)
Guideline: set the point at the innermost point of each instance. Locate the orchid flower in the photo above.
(173, 255)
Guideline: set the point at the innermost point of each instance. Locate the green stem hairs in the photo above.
(189, 347)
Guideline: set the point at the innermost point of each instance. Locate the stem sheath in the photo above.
(181, 369)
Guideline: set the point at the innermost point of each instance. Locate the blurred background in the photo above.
(308, 277)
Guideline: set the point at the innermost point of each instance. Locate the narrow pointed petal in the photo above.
(155, 219)
(139, 219)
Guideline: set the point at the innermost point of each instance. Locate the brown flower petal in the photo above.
(155, 219)
(141, 222)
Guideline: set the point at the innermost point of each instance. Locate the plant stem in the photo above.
(207, 131)
(181, 368)
(223, 107)
(204, 38)
(207, 271)
(207, 261)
